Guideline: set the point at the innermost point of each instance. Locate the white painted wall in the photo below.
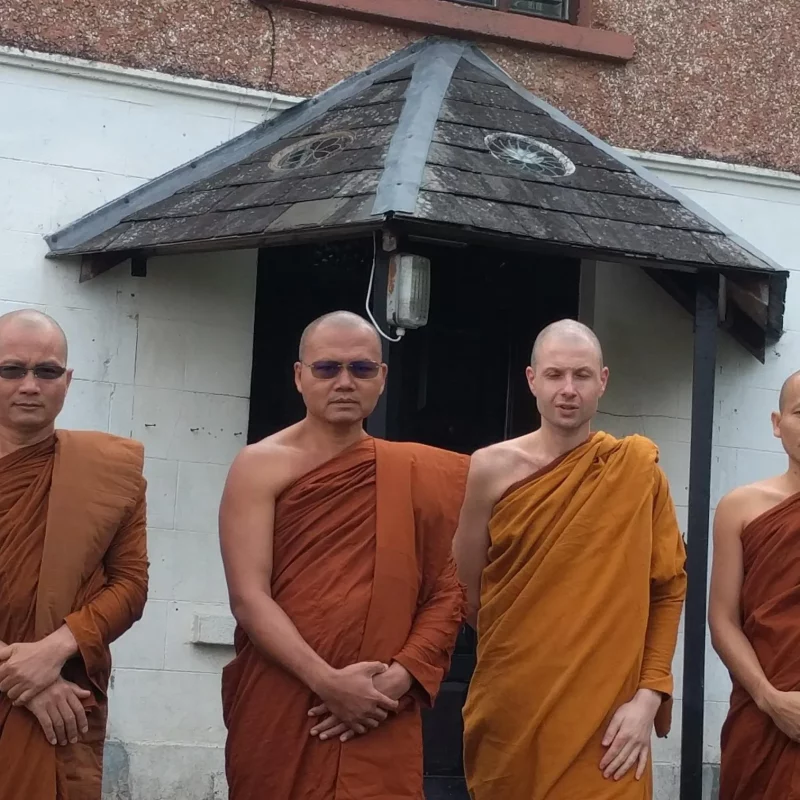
(648, 343)
(167, 358)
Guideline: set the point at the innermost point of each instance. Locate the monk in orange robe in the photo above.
(337, 550)
(73, 570)
(755, 621)
(574, 567)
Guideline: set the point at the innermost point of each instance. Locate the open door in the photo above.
(457, 383)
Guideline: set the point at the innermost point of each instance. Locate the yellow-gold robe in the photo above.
(580, 607)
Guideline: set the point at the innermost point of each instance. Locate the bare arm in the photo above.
(246, 524)
(724, 610)
(471, 541)
(246, 527)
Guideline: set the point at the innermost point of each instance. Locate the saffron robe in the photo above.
(759, 762)
(580, 606)
(72, 550)
(362, 566)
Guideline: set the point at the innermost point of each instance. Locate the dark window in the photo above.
(554, 9)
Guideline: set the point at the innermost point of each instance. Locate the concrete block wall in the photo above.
(647, 339)
(165, 359)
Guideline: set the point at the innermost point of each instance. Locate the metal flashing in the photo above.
(408, 152)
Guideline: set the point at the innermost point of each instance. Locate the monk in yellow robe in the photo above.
(754, 614)
(337, 550)
(574, 567)
(73, 570)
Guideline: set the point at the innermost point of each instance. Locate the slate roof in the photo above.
(416, 149)
(407, 140)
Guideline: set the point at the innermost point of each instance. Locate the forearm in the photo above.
(741, 660)
(661, 636)
(276, 637)
(110, 614)
(428, 648)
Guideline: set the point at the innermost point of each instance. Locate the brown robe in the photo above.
(759, 762)
(362, 566)
(72, 550)
(580, 605)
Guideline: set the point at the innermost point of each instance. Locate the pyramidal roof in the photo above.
(437, 137)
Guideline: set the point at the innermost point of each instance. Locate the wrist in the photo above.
(649, 698)
(765, 698)
(61, 644)
(398, 681)
(405, 680)
(319, 678)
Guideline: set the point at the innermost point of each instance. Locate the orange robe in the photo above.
(362, 567)
(759, 762)
(72, 550)
(580, 606)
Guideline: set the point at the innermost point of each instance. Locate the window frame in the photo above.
(573, 37)
(504, 6)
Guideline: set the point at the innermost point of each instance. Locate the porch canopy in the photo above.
(440, 142)
(437, 142)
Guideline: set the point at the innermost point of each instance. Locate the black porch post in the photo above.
(705, 353)
(384, 420)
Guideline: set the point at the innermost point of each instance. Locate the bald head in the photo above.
(334, 322)
(567, 331)
(790, 392)
(17, 323)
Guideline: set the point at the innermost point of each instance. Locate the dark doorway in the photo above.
(457, 383)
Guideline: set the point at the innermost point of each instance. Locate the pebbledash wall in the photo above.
(166, 359)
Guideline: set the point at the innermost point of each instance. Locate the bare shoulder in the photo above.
(491, 460)
(742, 505)
(270, 464)
(495, 468)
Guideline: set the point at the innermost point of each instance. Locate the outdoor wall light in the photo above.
(409, 291)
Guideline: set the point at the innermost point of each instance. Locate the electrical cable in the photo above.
(400, 331)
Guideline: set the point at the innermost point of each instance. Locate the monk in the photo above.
(755, 621)
(73, 570)
(574, 569)
(337, 551)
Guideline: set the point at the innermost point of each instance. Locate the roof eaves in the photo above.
(479, 59)
(100, 220)
(408, 152)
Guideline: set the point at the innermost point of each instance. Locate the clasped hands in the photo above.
(30, 676)
(358, 699)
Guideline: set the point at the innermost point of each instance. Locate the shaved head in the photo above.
(567, 330)
(337, 320)
(789, 391)
(35, 322)
(35, 379)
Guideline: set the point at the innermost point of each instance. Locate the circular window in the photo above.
(529, 154)
(310, 151)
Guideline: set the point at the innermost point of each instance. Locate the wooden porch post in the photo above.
(704, 371)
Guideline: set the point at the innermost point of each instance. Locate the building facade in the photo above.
(99, 99)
